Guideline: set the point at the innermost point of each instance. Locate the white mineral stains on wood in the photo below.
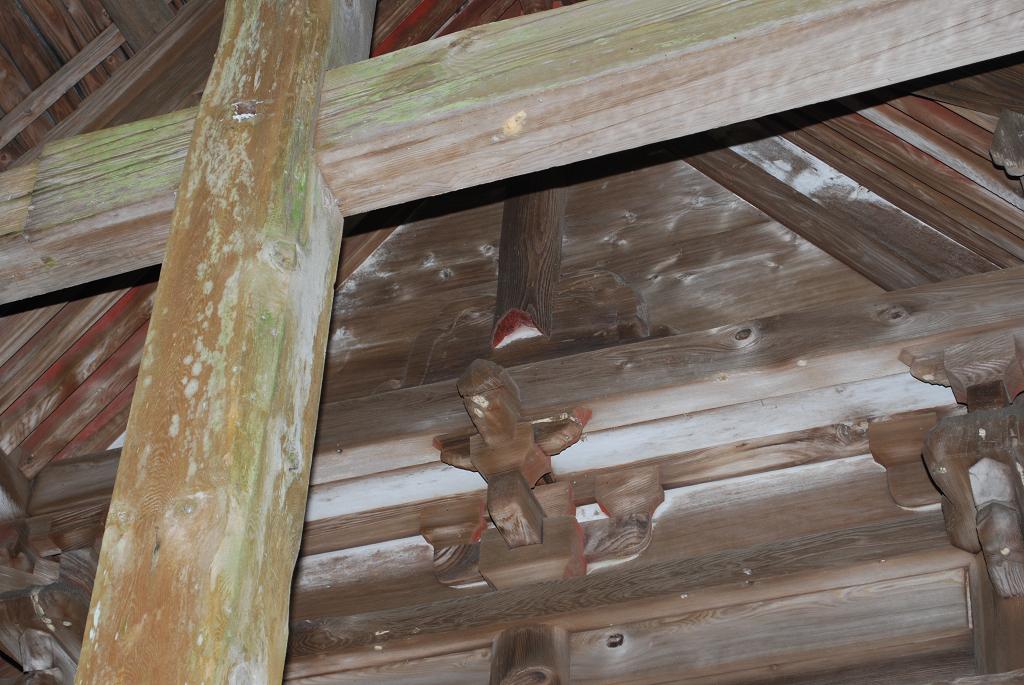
(362, 564)
(810, 176)
(590, 512)
(770, 416)
(991, 481)
(389, 489)
(785, 482)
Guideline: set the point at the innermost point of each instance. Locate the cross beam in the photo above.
(499, 101)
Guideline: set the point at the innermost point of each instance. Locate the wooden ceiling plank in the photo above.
(81, 406)
(155, 81)
(988, 88)
(60, 31)
(75, 366)
(14, 89)
(379, 167)
(426, 19)
(139, 20)
(943, 120)
(977, 168)
(102, 431)
(225, 563)
(52, 341)
(33, 59)
(904, 235)
(803, 216)
(897, 187)
(927, 170)
(82, 63)
(476, 13)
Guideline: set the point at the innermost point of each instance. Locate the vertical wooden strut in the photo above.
(529, 255)
(206, 514)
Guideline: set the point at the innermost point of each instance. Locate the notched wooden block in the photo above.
(459, 522)
(984, 372)
(492, 400)
(637, 491)
(556, 498)
(560, 555)
(898, 445)
(514, 509)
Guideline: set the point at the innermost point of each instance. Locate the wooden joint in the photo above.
(530, 655)
(559, 555)
(1007, 148)
(897, 445)
(984, 371)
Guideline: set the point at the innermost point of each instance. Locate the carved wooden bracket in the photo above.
(536, 535)
(534, 655)
(977, 460)
(897, 445)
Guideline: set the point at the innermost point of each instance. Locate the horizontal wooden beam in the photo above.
(677, 375)
(458, 111)
(804, 564)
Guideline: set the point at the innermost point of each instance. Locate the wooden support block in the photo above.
(985, 372)
(492, 400)
(998, 624)
(1007, 149)
(560, 555)
(999, 526)
(520, 453)
(514, 509)
(458, 522)
(617, 537)
(458, 565)
(534, 655)
(637, 491)
(556, 498)
(14, 489)
(925, 362)
(530, 254)
(897, 445)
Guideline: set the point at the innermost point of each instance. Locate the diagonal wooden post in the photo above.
(206, 515)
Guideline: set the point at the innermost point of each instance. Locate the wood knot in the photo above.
(894, 315)
(615, 640)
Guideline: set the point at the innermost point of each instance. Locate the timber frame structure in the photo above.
(667, 342)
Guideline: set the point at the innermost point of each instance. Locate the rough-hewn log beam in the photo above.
(207, 509)
(443, 115)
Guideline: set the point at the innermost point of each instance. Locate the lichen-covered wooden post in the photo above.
(205, 520)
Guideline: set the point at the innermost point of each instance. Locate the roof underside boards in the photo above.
(776, 523)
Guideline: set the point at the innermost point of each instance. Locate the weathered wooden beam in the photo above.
(529, 256)
(807, 564)
(802, 215)
(681, 374)
(207, 509)
(383, 138)
(139, 20)
(998, 623)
